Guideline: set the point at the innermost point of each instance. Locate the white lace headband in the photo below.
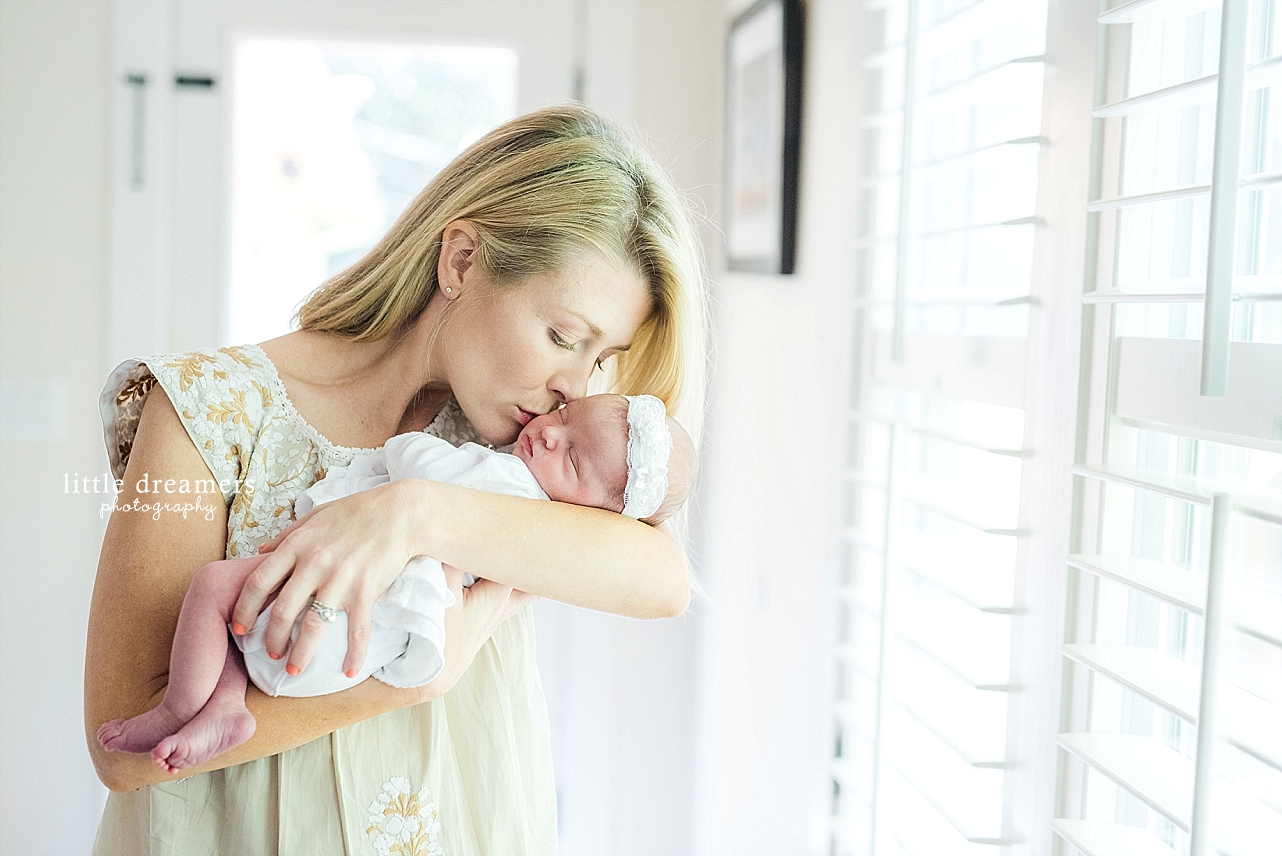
(649, 444)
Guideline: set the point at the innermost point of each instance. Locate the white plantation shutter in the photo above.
(951, 146)
(1174, 637)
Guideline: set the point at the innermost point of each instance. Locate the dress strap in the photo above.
(221, 397)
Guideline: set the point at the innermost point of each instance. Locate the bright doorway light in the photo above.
(331, 141)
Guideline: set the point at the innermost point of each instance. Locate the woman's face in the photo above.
(510, 354)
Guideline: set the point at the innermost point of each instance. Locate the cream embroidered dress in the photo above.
(469, 774)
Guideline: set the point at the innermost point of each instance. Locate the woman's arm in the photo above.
(347, 552)
(143, 573)
(583, 556)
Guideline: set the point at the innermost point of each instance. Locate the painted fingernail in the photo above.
(274, 655)
(238, 628)
(292, 669)
(351, 673)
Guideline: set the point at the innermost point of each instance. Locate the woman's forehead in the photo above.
(606, 299)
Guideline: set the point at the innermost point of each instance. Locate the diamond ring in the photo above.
(325, 611)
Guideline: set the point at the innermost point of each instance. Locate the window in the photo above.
(1168, 535)
(947, 204)
(1174, 639)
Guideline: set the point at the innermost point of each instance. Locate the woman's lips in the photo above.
(525, 416)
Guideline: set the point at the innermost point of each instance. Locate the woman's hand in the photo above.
(476, 613)
(345, 553)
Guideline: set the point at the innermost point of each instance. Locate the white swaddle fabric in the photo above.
(407, 637)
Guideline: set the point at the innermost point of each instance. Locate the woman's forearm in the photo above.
(281, 724)
(583, 556)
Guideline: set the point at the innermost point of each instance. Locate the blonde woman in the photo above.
(550, 249)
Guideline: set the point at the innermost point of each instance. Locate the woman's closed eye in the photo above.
(564, 343)
(560, 341)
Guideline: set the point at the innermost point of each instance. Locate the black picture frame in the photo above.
(764, 50)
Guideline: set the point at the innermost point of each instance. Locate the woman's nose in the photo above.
(569, 386)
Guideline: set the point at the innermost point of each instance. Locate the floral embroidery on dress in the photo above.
(404, 822)
(234, 405)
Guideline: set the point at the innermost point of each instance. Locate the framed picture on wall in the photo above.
(763, 136)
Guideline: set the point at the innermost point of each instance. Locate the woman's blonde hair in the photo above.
(541, 190)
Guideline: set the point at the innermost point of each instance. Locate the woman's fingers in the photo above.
(454, 582)
(310, 633)
(294, 597)
(265, 579)
(518, 599)
(489, 600)
(358, 628)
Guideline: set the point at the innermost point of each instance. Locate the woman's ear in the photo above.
(459, 241)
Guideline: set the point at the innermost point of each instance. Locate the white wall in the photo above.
(769, 498)
(54, 122)
(621, 692)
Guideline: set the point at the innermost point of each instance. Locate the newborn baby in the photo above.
(619, 453)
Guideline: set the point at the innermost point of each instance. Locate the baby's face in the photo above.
(579, 453)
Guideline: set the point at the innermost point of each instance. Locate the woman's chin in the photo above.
(506, 436)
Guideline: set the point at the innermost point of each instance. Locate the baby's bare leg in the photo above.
(196, 661)
(224, 722)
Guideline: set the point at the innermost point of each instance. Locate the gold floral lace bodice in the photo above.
(260, 450)
(468, 774)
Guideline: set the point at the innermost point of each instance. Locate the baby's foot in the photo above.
(224, 723)
(142, 732)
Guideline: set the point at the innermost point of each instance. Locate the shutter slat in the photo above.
(1250, 723)
(1114, 202)
(1160, 777)
(971, 78)
(1259, 616)
(1183, 488)
(948, 582)
(1167, 682)
(1139, 11)
(958, 800)
(921, 721)
(984, 581)
(941, 434)
(1254, 726)
(1186, 94)
(944, 651)
(988, 527)
(1177, 586)
(971, 721)
(1098, 838)
(1163, 779)
(862, 538)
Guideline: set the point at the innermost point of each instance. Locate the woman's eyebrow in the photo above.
(594, 329)
(598, 332)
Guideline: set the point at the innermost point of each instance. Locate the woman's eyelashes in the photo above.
(560, 341)
(565, 344)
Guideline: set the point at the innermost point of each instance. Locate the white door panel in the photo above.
(171, 235)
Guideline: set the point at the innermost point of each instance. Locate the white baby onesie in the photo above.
(407, 639)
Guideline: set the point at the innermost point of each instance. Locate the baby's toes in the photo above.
(109, 732)
(165, 752)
